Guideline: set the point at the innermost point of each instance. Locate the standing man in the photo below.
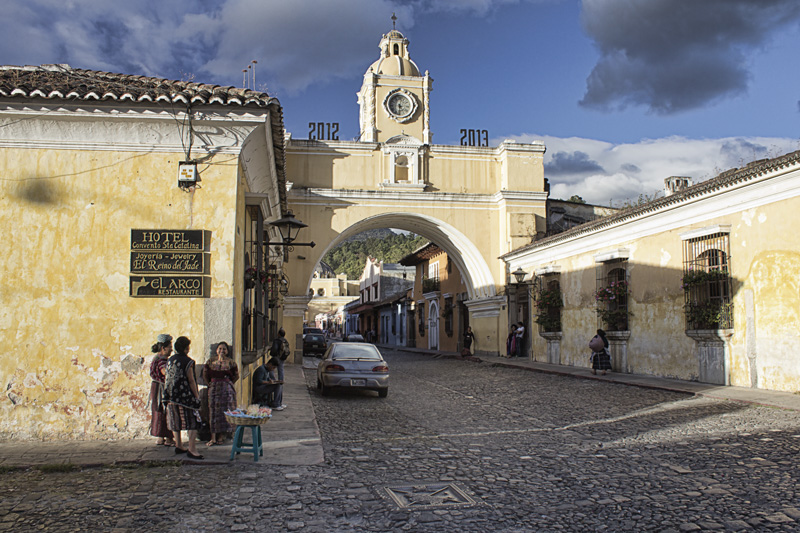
(280, 351)
(520, 339)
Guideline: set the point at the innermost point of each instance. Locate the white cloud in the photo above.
(633, 169)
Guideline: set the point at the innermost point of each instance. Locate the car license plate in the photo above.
(358, 382)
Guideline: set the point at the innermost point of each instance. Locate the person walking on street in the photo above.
(469, 338)
(601, 358)
(182, 398)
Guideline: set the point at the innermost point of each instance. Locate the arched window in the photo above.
(401, 169)
(548, 305)
(707, 283)
(612, 295)
(397, 49)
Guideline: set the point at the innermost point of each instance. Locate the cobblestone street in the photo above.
(459, 445)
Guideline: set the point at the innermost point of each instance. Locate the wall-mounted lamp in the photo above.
(187, 174)
(289, 227)
(519, 274)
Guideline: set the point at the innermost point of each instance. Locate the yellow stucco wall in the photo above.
(491, 197)
(764, 261)
(78, 345)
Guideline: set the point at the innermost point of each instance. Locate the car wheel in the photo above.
(325, 390)
(383, 393)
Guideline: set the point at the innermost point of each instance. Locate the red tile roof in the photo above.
(67, 83)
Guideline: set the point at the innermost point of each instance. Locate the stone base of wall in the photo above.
(711, 348)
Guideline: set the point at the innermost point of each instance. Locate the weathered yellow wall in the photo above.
(78, 345)
(466, 189)
(764, 259)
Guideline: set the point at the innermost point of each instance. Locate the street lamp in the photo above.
(289, 227)
(519, 275)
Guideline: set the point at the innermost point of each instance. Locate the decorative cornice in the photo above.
(705, 232)
(621, 253)
(486, 307)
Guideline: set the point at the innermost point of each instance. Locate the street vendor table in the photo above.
(239, 446)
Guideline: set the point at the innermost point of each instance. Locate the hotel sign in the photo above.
(168, 264)
(164, 239)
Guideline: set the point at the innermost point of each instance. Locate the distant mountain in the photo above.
(380, 233)
(384, 244)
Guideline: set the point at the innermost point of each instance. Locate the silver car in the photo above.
(353, 365)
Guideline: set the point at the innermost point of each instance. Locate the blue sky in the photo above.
(624, 93)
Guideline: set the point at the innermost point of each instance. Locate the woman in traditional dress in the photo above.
(601, 360)
(220, 373)
(158, 421)
(511, 341)
(182, 398)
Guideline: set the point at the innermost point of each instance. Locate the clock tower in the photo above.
(394, 99)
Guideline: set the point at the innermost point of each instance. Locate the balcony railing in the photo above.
(430, 284)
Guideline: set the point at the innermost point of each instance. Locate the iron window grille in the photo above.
(447, 314)
(612, 295)
(706, 282)
(548, 299)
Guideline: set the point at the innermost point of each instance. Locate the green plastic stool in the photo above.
(239, 446)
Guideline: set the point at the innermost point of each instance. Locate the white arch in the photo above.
(470, 263)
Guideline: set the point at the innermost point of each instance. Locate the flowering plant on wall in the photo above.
(548, 305)
(251, 274)
(714, 314)
(614, 319)
(616, 290)
(694, 277)
(548, 298)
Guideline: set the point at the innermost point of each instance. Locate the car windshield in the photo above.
(315, 337)
(356, 352)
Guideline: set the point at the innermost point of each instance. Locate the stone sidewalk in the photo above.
(291, 437)
(782, 400)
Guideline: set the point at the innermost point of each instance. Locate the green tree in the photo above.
(351, 256)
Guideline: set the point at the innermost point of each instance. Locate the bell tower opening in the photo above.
(395, 96)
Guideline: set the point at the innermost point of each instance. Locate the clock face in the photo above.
(399, 104)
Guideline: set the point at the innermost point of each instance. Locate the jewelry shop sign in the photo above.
(168, 263)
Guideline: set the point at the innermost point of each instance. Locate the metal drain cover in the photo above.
(428, 496)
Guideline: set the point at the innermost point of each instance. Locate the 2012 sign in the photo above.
(323, 131)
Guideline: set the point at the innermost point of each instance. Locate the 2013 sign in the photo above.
(474, 137)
